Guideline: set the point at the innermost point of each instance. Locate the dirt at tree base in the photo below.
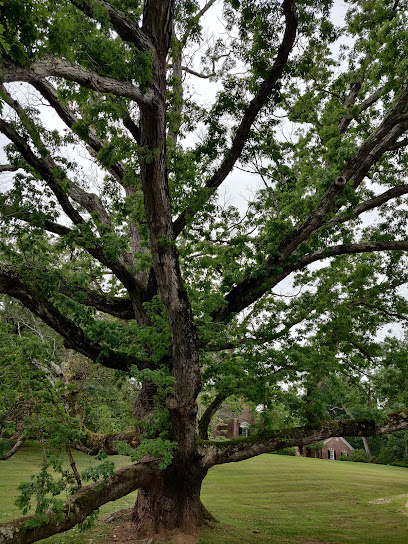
(123, 532)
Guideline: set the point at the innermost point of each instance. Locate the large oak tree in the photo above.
(115, 232)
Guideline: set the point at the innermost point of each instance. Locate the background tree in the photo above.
(138, 265)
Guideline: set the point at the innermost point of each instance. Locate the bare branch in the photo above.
(78, 507)
(8, 168)
(193, 72)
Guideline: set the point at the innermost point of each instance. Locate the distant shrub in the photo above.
(373, 459)
(286, 451)
(398, 463)
(359, 456)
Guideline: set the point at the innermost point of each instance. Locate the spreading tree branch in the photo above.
(209, 412)
(14, 449)
(51, 66)
(196, 74)
(49, 92)
(238, 450)
(96, 442)
(117, 306)
(358, 167)
(8, 168)
(47, 169)
(369, 101)
(12, 284)
(254, 107)
(110, 305)
(398, 145)
(253, 287)
(90, 201)
(41, 166)
(368, 205)
(38, 219)
(127, 29)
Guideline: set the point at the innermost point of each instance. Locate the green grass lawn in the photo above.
(283, 499)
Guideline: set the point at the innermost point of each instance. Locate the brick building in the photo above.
(238, 426)
(334, 448)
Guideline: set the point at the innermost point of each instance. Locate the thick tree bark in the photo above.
(172, 501)
(185, 356)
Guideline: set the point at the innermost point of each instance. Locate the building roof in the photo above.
(341, 438)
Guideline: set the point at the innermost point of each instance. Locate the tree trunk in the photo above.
(171, 502)
(366, 446)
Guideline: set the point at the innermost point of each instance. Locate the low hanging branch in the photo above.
(96, 442)
(125, 480)
(80, 505)
(238, 450)
(14, 449)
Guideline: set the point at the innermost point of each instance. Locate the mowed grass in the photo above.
(25, 463)
(268, 499)
(294, 499)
